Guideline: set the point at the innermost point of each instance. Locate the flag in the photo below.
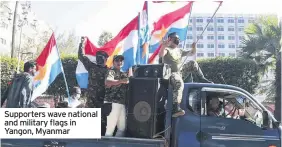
(144, 36)
(49, 66)
(125, 43)
(176, 21)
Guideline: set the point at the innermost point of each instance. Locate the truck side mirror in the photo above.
(265, 119)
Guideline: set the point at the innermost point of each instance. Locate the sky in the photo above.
(90, 18)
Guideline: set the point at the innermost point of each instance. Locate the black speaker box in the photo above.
(143, 107)
(152, 71)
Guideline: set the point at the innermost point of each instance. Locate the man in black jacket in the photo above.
(18, 94)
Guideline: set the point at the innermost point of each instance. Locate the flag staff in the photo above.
(66, 84)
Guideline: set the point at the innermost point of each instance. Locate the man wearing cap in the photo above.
(172, 55)
(116, 88)
(97, 72)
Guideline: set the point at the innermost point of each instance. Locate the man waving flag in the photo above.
(176, 21)
(125, 43)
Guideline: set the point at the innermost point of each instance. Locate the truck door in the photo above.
(232, 119)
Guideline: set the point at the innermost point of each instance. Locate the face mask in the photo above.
(100, 60)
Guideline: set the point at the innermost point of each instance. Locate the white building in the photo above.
(221, 38)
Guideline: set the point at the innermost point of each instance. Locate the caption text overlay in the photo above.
(50, 123)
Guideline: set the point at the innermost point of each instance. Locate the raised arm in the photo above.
(191, 52)
(81, 56)
(163, 50)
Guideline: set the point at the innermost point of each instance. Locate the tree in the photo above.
(67, 43)
(262, 44)
(104, 38)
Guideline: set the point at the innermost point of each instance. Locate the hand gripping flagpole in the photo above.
(203, 30)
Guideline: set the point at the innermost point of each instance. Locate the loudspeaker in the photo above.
(152, 71)
(142, 107)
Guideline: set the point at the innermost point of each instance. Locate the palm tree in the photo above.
(262, 44)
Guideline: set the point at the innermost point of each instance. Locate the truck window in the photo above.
(232, 106)
(194, 101)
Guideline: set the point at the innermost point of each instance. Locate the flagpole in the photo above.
(188, 26)
(139, 45)
(66, 84)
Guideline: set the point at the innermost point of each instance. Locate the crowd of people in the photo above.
(107, 86)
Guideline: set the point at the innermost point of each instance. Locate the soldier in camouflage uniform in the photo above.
(116, 88)
(96, 86)
(171, 55)
(97, 72)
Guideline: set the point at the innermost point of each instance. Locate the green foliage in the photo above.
(8, 69)
(104, 38)
(238, 72)
(262, 44)
(232, 71)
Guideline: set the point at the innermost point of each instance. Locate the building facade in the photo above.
(222, 36)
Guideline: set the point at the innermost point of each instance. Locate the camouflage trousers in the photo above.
(177, 86)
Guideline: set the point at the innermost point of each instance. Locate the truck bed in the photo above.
(104, 142)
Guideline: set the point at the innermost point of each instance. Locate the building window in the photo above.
(199, 20)
(241, 29)
(191, 20)
(210, 54)
(240, 20)
(241, 37)
(231, 20)
(231, 37)
(210, 37)
(220, 29)
(231, 29)
(231, 45)
(221, 37)
(199, 37)
(209, 20)
(200, 54)
(3, 41)
(188, 45)
(251, 21)
(221, 54)
(190, 28)
(221, 46)
(220, 20)
(210, 28)
(232, 54)
(199, 28)
(210, 45)
(190, 37)
(200, 45)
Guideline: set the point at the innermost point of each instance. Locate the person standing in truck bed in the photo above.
(172, 55)
(116, 88)
(96, 86)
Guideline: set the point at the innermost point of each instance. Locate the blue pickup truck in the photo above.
(243, 122)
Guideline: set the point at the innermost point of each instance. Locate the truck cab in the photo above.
(243, 120)
(238, 120)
